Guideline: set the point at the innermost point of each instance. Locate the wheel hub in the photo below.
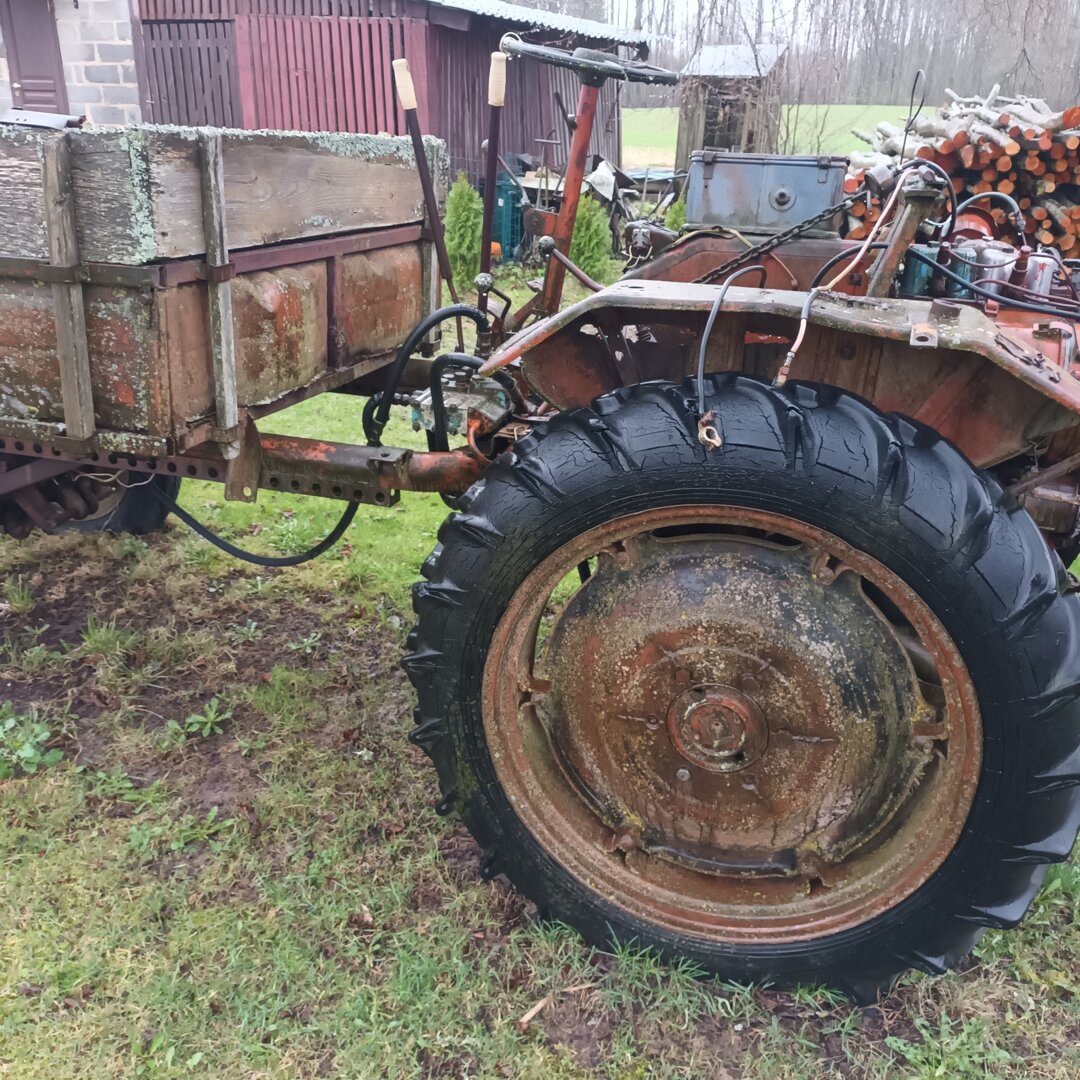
(717, 728)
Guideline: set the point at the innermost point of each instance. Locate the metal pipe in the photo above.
(1062, 468)
(576, 270)
(347, 466)
(573, 179)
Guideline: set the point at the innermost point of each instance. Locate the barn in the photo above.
(308, 65)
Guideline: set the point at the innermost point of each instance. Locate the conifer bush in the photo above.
(591, 246)
(464, 229)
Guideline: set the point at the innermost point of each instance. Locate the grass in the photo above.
(649, 135)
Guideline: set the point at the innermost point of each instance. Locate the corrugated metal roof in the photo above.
(546, 20)
(734, 61)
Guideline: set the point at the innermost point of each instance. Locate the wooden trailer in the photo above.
(161, 285)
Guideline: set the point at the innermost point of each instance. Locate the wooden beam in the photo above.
(71, 346)
(219, 288)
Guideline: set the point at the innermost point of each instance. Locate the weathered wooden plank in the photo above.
(72, 352)
(219, 293)
(138, 194)
(22, 208)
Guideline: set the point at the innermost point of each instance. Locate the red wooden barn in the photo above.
(308, 65)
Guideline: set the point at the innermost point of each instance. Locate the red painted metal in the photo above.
(572, 181)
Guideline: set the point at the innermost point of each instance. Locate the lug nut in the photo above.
(683, 775)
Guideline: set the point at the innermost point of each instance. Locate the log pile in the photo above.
(1018, 146)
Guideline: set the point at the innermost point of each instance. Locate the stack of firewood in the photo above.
(1018, 146)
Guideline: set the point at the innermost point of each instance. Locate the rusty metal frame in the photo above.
(971, 331)
(333, 470)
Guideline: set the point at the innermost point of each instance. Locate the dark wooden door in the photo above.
(33, 54)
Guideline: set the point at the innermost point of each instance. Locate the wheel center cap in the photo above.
(717, 728)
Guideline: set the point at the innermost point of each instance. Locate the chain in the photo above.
(753, 254)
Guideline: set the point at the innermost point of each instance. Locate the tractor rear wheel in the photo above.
(802, 708)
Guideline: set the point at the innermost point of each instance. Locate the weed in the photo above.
(133, 547)
(308, 644)
(24, 743)
(116, 785)
(244, 633)
(18, 596)
(958, 1051)
(106, 639)
(209, 721)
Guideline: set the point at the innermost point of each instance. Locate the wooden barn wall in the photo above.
(324, 65)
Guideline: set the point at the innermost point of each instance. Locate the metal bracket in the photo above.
(242, 475)
(218, 274)
(538, 222)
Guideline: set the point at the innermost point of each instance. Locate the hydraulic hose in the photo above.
(197, 526)
(380, 414)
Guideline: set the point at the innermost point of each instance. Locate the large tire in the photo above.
(134, 510)
(888, 487)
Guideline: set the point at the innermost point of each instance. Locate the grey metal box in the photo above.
(761, 193)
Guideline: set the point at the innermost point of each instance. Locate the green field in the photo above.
(649, 135)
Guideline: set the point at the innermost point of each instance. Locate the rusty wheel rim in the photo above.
(739, 726)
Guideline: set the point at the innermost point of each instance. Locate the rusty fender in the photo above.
(346, 466)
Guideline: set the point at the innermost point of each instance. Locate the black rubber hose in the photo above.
(381, 413)
(1007, 301)
(331, 539)
(839, 258)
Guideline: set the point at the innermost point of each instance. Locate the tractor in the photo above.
(750, 638)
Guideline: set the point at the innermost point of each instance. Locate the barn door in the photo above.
(33, 54)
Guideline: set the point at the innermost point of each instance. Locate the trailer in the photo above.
(751, 638)
(162, 289)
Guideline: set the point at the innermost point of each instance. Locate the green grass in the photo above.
(649, 135)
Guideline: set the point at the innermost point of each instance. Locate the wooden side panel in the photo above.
(138, 198)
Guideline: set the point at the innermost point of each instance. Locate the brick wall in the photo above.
(99, 63)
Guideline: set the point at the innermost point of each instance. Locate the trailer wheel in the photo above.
(128, 509)
(805, 708)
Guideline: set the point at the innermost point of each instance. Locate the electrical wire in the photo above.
(197, 526)
(913, 113)
(714, 311)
